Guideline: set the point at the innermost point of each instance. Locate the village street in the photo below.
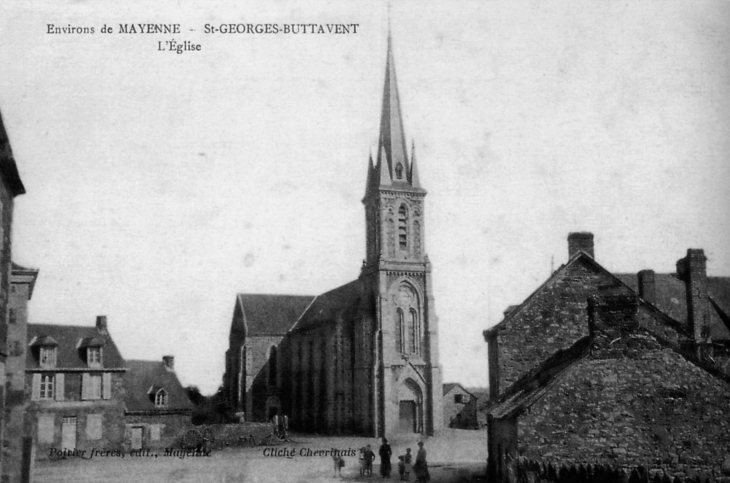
(455, 456)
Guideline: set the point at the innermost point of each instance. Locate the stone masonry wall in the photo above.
(554, 320)
(646, 407)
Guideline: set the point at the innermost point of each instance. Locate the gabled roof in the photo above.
(144, 379)
(265, 314)
(69, 353)
(449, 386)
(671, 298)
(8, 168)
(332, 306)
(514, 310)
(21, 275)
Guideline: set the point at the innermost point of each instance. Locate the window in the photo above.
(47, 386)
(161, 398)
(459, 398)
(403, 227)
(399, 171)
(94, 386)
(272, 366)
(400, 345)
(13, 316)
(48, 356)
(93, 356)
(415, 333)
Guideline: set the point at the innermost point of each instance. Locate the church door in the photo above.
(407, 417)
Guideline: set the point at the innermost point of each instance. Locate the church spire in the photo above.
(392, 135)
(413, 175)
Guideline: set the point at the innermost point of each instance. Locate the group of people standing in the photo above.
(405, 462)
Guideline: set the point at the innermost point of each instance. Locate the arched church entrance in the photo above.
(273, 407)
(410, 407)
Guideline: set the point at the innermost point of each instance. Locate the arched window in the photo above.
(272, 366)
(400, 342)
(161, 398)
(415, 332)
(403, 227)
(399, 171)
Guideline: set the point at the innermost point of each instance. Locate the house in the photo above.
(74, 375)
(619, 395)
(10, 187)
(555, 316)
(157, 408)
(361, 358)
(460, 407)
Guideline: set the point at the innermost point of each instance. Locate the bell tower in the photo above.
(396, 273)
(393, 195)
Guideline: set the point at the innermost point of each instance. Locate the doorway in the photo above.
(68, 433)
(407, 417)
(137, 437)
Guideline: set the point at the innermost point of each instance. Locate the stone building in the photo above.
(77, 394)
(10, 187)
(460, 407)
(157, 408)
(686, 309)
(363, 357)
(621, 395)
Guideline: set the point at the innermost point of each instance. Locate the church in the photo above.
(362, 358)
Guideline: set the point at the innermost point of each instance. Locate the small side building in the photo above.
(74, 379)
(460, 407)
(158, 409)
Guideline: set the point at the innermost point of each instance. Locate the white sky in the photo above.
(160, 185)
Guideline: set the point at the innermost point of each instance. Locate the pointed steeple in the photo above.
(371, 175)
(392, 135)
(413, 176)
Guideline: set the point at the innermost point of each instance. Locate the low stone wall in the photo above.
(219, 436)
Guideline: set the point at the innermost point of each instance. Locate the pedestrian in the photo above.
(385, 453)
(408, 459)
(338, 463)
(369, 457)
(285, 427)
(275, 425)
(421, 466)
(361, 460)
(402, 467)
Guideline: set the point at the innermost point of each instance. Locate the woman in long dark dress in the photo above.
(421, 466)
(385, 453)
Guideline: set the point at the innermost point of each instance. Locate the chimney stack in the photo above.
(647, 286)
(611, 316)
(692, 270)
(581, 241)
(101, 324)
(169, 362)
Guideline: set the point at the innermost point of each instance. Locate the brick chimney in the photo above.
(647, 286)
(692, 270)
(580, 241)
(610, 317)
(101, 324)
(169, 362)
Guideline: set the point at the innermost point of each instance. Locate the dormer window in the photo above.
(93, 356)
(158, 396)
(47, 356)
(161, 398)
(399, 171)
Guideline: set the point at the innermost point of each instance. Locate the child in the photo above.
(402, 467)
(361, 460)
(408, 460)
(369, 457)
(339, 463)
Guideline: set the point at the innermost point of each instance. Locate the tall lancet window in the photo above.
(415, 332)
(400, 339)
(403, 227)
(272, 366)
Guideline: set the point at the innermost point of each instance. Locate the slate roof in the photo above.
(671, 298)
(68, 351)
(337, 304)
(266, 314)
(143, 375)
(8, 168)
